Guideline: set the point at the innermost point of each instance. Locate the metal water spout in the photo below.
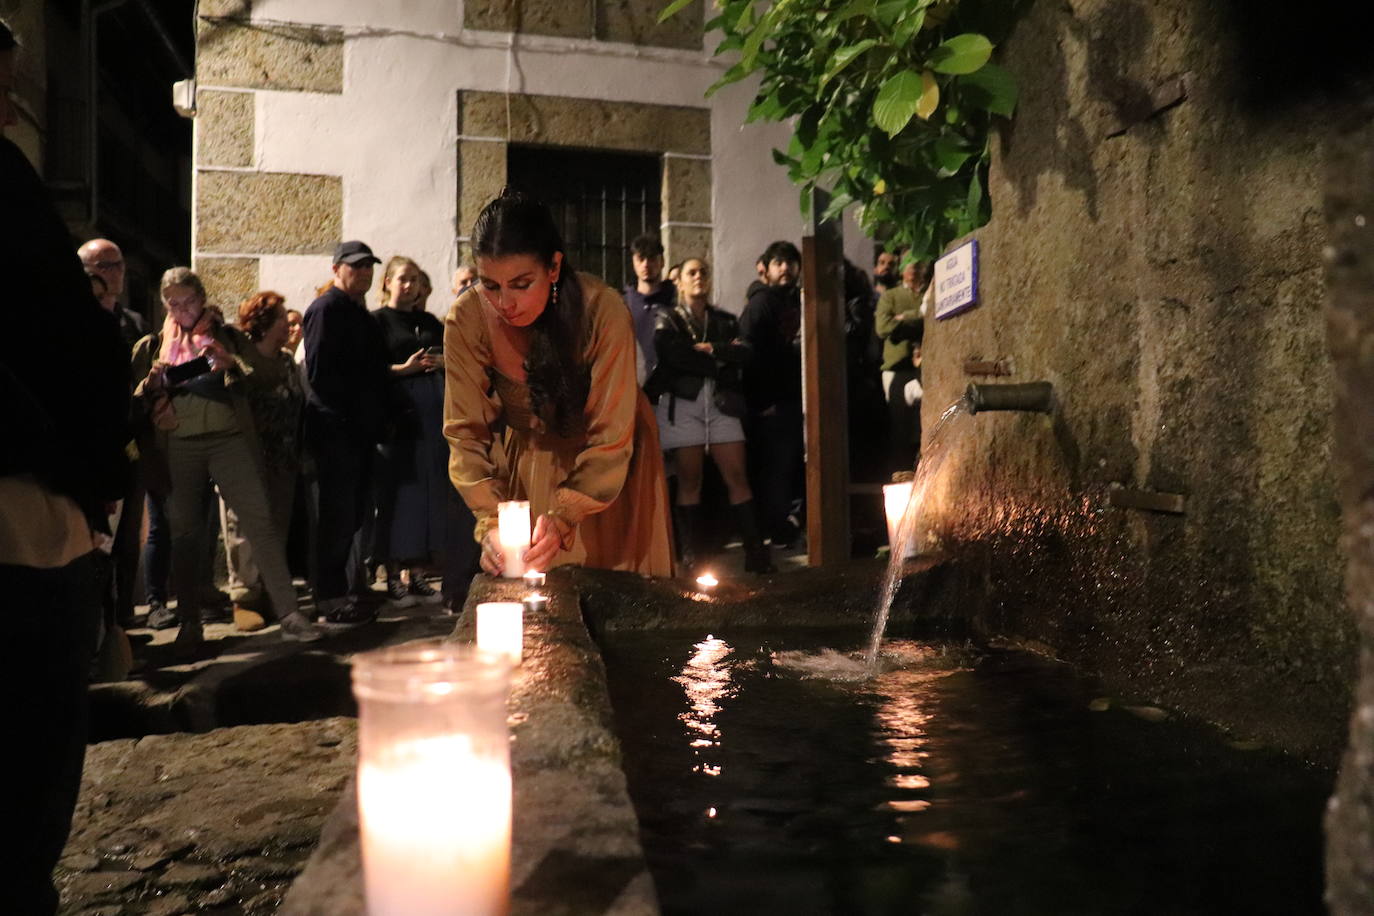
(1027, 397)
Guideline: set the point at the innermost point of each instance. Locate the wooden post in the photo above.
(826, 390)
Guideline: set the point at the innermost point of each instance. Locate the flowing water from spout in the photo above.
(947, 430)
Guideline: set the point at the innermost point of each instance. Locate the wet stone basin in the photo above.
(768, 779)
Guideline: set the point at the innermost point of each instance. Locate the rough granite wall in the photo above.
(1350, 321)
(1155, 252)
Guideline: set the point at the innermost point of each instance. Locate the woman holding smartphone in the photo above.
(414, 519)
(195, 374)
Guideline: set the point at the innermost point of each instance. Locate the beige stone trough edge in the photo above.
(576, 842)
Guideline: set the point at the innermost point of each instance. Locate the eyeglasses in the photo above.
(104, 265)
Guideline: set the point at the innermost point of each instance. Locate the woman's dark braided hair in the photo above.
(555, 368)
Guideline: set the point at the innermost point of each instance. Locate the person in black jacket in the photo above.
(64, 411)
(421, 520)
(771, 325)
(698, 382)
(349, 373)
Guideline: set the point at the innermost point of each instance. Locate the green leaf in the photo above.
(731, 42)
(975, 196)
(733, 75)
(896, 103)
(846, 56)
(961, 54)
(992, 88)
(887, 12)
(672, 9)
(907, 27)
(852, 9)
(950, 154)
(754, 42)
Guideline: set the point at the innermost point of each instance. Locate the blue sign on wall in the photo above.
(956, 280)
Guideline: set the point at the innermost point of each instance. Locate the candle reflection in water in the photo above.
(902, 719)
(706, 679)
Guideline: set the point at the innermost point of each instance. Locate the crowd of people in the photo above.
(358, 433)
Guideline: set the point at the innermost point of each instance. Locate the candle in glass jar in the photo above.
(513, 518)
(435, 826)
(896, 498)
(501, 628)
(434, 784)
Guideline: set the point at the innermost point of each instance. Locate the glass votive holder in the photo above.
(434, 784)
(501, 629)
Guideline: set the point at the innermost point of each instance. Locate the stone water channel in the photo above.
(224, 821)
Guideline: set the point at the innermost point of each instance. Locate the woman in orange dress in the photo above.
(542, 403)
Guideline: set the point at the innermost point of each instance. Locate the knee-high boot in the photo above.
(688, 533)
(757, 557)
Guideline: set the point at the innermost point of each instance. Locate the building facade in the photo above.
(395, 123)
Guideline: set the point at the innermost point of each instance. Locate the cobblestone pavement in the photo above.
(215, 823)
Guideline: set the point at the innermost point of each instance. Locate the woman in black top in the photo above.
(698, 382)
(416, 518)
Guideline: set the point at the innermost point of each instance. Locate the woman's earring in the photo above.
(553, 295)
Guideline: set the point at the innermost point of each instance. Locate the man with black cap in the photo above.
(348, 372)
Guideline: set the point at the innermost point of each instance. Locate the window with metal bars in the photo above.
(600, 200)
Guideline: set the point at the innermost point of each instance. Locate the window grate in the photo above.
(600, 201)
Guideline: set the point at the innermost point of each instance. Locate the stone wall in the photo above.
(1350, 320)
(1155, 252)
(681, 135)
(243, 212)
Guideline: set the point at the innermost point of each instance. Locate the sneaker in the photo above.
(421, 589)
(295, 628)
(397, 594)
(343, 612)
(161, 617)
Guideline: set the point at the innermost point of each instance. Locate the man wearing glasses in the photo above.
(102, 258)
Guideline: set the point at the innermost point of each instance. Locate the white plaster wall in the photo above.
(391, 135)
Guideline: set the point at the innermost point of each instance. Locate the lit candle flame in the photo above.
(706, 580)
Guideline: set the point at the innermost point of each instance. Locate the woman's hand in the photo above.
(420, 361)
(545, 544)
(218, 356)
(157, 377)
(704, 347)
(493, 562)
